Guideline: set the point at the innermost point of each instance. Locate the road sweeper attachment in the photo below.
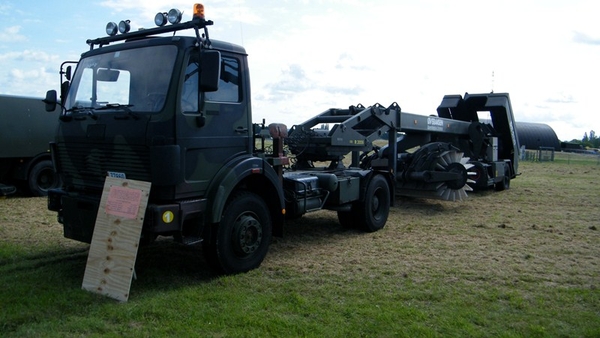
(440, 157)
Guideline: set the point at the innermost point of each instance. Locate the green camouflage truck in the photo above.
(174, 110)
(26, 130)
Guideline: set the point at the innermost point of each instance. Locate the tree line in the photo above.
(589, 141)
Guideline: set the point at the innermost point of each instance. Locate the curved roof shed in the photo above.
(536, 135)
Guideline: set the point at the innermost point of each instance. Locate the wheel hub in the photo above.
(247, 235)
(375, 203)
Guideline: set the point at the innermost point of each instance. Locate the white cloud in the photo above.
(29, 72)
(5, 8)
(29, 56)
(11, 34)
(28, 82)
(585, 39)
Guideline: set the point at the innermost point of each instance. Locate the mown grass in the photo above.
(520, 263)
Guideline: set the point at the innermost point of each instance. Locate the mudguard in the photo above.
(234, 172)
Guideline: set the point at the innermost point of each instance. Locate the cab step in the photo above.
(189, 240)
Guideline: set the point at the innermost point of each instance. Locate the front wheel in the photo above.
(240, 242)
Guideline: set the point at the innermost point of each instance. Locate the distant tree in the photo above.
(591, 141)
(594, 140)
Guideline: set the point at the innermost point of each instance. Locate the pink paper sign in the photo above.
(123, 202)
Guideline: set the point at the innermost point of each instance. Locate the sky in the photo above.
(307, 56)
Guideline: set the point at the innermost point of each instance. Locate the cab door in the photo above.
(226, 130)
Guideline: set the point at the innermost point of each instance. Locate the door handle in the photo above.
(241, 130)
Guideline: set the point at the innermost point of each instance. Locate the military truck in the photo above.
(25, 133)
(175, 110)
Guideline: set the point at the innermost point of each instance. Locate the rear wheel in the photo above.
(240, 242)
(370, 214)
(505, 183)
(374, 211)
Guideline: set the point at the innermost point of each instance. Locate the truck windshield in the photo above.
(134, 78)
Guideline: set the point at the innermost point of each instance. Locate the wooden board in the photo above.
(116, 238)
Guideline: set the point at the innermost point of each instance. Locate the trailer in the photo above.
(182, 120)
(25, 134)
(439, 157)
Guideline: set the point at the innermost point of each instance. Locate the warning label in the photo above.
(123, 202)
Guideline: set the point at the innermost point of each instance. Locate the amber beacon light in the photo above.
(199, 11)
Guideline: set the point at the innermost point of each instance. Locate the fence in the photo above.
(549, 155)
(544, 154)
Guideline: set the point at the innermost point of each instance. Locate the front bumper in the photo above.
(77, 213)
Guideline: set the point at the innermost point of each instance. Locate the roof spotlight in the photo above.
(174, 16)
(160, 19)
(124, 26)
(111, 28)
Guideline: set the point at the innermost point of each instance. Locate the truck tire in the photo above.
(505, 183)
(42, 177)
(240, 242)
(370, 214)
(374, 211)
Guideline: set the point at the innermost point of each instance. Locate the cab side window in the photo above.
(229, 84)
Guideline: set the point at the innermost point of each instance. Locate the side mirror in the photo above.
(64, 89)
(50, 100)
(68, 73)
(211, 70)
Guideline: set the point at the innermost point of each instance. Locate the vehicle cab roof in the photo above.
(183, 42)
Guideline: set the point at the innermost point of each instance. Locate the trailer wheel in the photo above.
(372, 213)
(42, 177)
(239, 243)
(505, 183)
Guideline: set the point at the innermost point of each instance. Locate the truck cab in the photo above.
(171, 110)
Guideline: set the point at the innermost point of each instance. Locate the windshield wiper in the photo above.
(79, 111)
(123, 107)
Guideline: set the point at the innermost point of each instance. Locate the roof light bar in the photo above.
(174, 17)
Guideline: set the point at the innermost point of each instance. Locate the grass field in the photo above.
(520, 263)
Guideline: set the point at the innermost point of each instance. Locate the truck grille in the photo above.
(88, 164)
